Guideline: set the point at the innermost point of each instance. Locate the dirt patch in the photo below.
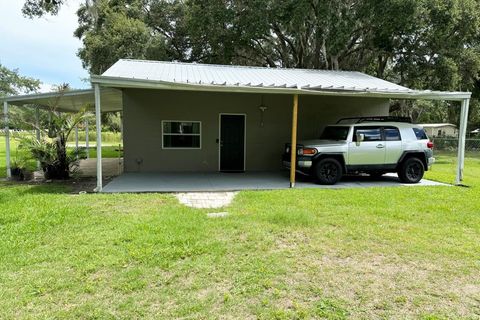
(391, 286)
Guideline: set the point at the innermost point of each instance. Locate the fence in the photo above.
(451, 144)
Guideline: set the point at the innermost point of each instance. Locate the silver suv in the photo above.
(372, 145)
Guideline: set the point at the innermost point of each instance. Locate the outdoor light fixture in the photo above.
(139, 162)
(262, 108)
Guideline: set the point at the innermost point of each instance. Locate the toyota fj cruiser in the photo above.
(372, 145)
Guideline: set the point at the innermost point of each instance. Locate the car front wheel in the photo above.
(327, 171)
(411, 171)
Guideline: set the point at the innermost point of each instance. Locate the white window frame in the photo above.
(182, 134)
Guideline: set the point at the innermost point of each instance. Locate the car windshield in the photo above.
(335, 133)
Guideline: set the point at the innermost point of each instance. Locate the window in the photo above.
(420, 133)
(335, 133)
(392, 134)
(181, 134)
(370, 133)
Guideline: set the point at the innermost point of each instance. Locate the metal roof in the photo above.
(71, 100)
(210, 77)
(436, 125)
(228, 75)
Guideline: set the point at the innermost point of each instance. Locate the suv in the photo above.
(372, 145)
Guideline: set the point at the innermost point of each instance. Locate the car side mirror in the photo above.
(360, 138)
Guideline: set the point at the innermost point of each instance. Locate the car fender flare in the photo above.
(336, 155)
(414, 153)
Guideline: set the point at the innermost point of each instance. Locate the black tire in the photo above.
(327, 171)
(411, 171)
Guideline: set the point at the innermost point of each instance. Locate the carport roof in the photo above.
(228, 78)
(71, 100)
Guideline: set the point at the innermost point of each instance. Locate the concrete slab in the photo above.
(217, 181)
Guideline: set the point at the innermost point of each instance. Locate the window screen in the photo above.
(181, 134)
(371, 134)
(392, 134)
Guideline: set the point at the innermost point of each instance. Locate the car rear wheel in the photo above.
(327, 171)
(411, 171)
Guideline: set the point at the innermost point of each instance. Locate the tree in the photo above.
(11, 82)
(422, 44)
(39, 8)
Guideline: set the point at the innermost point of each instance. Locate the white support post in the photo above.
(76, 140)
(87, 141)
(7, 139)
(461, 141)
(37, 130)
(121, 126)
(98, 118)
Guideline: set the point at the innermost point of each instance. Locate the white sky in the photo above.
(42, 48)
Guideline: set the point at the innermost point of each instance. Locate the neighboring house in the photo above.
(440, 129)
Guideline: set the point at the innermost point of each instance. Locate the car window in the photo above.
(392, 134)
(335, 133)
(420, 133)
(370, 133)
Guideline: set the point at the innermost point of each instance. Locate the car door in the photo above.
(371, 151)
(393, 145)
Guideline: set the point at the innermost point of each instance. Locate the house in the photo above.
(189, 117)
(440, 129)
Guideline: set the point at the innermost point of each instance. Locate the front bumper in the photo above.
(303, 164)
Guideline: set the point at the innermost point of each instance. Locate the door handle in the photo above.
(380, 146)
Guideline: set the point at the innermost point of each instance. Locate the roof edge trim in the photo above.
(119, 82)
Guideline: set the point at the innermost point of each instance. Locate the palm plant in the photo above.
(51, 150)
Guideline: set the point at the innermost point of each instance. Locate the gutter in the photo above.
(121, 82)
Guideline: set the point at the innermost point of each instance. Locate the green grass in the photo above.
(406, 252)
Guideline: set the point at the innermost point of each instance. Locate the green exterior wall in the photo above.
(143, 111)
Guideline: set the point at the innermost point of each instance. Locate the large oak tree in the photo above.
(422, 44)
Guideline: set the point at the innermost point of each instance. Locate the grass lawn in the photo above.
(406, 252)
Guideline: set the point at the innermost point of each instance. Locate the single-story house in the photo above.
(440, 129)
(190, 117)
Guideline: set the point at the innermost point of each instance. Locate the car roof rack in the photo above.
(354, 120)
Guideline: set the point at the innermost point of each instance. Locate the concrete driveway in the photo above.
(217, 181)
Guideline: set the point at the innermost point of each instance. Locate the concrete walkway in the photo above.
(206, 199)
(216, 181)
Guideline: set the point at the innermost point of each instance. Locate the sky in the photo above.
(42, 48)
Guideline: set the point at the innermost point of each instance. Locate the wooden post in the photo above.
(461, 141)
(293, 147)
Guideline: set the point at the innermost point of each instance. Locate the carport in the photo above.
(160, 81)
